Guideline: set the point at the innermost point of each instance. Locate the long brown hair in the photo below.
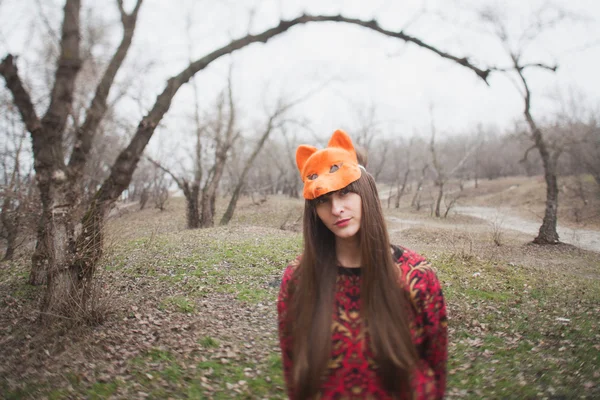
(385, 306)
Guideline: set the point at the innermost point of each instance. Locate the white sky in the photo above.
(369, 70)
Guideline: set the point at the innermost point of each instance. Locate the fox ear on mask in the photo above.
(302, 154)
(342, 140)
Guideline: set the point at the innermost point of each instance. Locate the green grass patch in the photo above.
(209, 342)
(178, 303)
(101, 390)
(217, 260)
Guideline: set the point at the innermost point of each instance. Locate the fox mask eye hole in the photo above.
(312, 177)
(334, 168)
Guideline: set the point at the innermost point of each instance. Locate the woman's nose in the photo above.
(337, 206)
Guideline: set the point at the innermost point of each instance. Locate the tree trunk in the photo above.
(39, 259)
(11, 242)
(60, 246)
(419, 187)
(10, 222)
(439, 199)
(70, 277)
(232, 203)
(209, 193)
(401, 190)
(191, 198)
(144, 198)
(414, 199)
(547, 233)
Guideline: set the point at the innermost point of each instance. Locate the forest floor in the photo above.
(191, 314)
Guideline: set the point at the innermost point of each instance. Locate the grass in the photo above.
(179, 303)
(197, 320)
(208, 341)
(214, 260)
(507, 339)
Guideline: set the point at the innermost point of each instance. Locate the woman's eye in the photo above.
(344, 191)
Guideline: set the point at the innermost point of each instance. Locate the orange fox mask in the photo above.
(329, 169)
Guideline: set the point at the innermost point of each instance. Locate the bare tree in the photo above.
(441, 176)
(160, 192)
(549, 152)
(71, 254)
(274, 122)
(280, 154)
(225, 133)
(406, 156)
(58, 182)
(416, 200)
(271, 125)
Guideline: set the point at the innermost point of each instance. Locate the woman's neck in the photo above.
(348, 252)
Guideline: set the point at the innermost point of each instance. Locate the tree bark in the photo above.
(191, 198)
(401, 190)
(413, 203)
(547, 233)
(438, 202)
(47, 143)
(10, 221)
(209, 193)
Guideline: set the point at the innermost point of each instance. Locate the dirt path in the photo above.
(583, 238)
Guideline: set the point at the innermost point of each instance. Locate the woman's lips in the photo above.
(342, 222)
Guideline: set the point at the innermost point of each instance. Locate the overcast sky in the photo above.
(365, 70)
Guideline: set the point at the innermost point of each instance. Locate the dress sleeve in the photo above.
(435, 331)
(431, 325)
(285, 340)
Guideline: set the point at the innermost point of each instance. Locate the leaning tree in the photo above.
(68, 250)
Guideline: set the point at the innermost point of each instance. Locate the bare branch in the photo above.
(522, 67)
(121, 9)
(98, 106)
(158, 165)
(51, 32)
(21, 97)
(464, 159)
(524, 159)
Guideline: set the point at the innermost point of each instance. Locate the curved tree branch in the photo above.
(127, 160)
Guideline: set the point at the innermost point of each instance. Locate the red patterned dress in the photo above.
(351, 373)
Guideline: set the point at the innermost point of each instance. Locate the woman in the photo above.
(358, 318)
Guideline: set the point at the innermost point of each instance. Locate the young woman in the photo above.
(358, 318)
